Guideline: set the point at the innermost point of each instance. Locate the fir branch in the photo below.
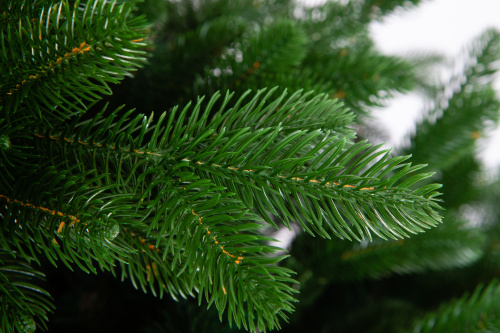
(65, 219)
(73, 52)
(189, 231)
(326, 197)
(337, 189)
(207, 243)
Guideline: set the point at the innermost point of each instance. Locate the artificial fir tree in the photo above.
(235, 118)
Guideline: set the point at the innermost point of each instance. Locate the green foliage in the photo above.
(209, 46)
(260, 59)
(182, 203)
(62, 217)
(57, 57)
(179, 178)
(253, 149)
(343, 59)
(11, 150)
(24, 305)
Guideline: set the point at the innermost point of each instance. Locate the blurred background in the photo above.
(437, 26)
